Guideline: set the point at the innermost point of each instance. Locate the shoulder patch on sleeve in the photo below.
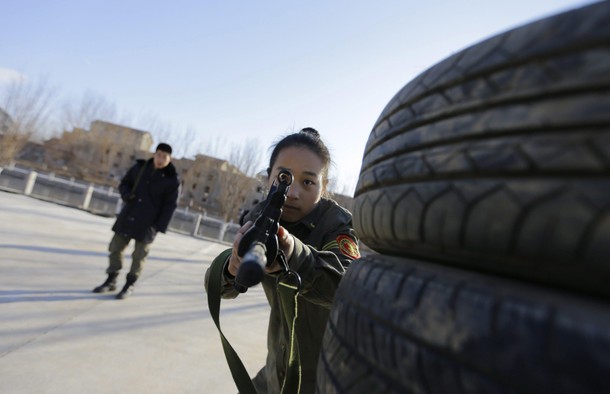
(348, 247)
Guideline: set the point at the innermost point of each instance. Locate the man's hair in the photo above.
(163, 147)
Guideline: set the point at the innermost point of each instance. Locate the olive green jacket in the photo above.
(325, 245)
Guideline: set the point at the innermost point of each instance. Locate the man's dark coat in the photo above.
(149, 208)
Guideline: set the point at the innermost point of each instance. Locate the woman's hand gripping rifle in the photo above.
(259, 245)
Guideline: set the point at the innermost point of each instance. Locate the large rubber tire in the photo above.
(401, 326)
(498, 158)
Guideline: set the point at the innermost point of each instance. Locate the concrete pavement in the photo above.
(56, 336)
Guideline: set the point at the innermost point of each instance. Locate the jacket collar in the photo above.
(312, 218)
(169, 170)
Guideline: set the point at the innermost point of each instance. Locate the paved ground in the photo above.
(56, 336)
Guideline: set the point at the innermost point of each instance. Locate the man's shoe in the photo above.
(125, 293)
(128, 288)
(108, 285)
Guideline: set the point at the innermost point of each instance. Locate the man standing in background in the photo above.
(150, 194)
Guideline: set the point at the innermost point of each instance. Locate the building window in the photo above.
(206, 189)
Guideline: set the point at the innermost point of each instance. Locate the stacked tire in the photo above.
(485, 190)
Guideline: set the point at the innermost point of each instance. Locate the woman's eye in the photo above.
(307, 182)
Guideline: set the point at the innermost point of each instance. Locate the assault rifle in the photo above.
(259, 245)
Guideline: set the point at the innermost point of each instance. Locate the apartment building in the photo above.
(101, 154)
(216, 186)
(104, 153)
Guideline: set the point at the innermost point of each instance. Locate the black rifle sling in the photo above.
(288, 293)
(238, 371)
(135, 184)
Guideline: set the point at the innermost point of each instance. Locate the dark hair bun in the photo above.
(313, 133)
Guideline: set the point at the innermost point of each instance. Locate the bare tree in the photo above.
(213, 146)
(247, 156)
(187, 145)
(161, 131)
(215, 185)
(234, 188)
(91, 107)
(29, 106)
(336, 186)
(228, 183)
(239, 181)
(182, 140)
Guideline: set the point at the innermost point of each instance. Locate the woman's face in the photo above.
(308, 185)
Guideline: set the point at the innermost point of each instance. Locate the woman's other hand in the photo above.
(235, 260)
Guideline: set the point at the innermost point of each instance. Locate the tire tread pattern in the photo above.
(498, 158)
(404, 326)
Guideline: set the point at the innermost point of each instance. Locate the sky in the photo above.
(234, 71)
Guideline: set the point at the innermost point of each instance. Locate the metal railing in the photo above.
(105, 201)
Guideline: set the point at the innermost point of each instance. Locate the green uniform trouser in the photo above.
(138, 257)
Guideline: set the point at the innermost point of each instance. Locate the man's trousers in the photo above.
(138, 257)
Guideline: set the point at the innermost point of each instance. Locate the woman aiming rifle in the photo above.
(318, 242)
